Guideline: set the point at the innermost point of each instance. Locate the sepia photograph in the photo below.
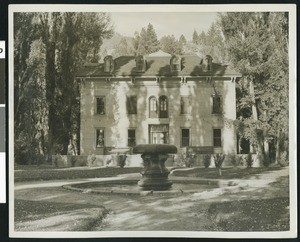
(152, 121)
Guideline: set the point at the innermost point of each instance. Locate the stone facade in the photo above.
(119, 110)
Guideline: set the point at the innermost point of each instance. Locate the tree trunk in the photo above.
(267, 149)
(254, 108)
(278, 147)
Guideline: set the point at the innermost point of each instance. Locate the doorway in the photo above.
(159, 134)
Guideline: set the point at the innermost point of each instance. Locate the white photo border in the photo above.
(291, 8)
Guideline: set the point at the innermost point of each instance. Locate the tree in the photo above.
(170, 45)
(202, 40)
(257, 46)
(182, 40)
(48, 52)
(123, 48)
(195, 37)
(146, 41)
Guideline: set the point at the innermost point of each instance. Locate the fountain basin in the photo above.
(128, 186)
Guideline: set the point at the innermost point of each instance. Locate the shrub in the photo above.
(206, 160)
(190, 160)
(283, 159)
(73, 161)
(218, 159)
(249, 160)
(266, 160)
(91, 160)
(234, 159)
(55, 161)
(180, 160)
(121, 160)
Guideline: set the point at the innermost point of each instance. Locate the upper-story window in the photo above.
(185, 105)
(140, 63)
(152, 107)
(175, 63)
(100, 105)
(131, 104)
(217, 104)
(163, 107)
(108, 64)
(208, 62)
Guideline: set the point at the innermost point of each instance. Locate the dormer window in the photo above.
(208, 62)
(175, 63)
(108, 64)
(140, 63)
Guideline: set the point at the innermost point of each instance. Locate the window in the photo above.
(163, 107)
(100, 105)
(131, 104)
(131, 138)
(208, 62)
(108, 64)
(152, 107)
(99, 137)
(217, 107)
(185, 137)
(185, 106)
(175, 63)
(217, 138)
(140, 63)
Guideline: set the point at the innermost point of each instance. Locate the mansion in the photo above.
(157, 99)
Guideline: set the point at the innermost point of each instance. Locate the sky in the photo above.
(164, 23)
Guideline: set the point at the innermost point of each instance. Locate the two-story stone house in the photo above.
(158, 98)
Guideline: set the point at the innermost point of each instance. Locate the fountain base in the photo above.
(155, 174)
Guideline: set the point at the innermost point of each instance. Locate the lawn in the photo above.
(71, 173)
(227, 173)
(36, 173)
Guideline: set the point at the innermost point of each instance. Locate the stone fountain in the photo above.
(155, 174)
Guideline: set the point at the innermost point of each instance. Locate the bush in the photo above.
(206, 160)
(266, 160)
(234, 160)
(218, 159)
(190, 160)
(283, 159)
(73, 160)
(249, 160)
(121, 160)
(91, 160)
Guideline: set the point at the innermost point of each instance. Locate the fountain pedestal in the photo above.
(155, 174)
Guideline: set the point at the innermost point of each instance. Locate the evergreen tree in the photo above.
(182, 40)
(146, 41)
(257, 46)
(195, 37)
(48, 51)
(170, 45)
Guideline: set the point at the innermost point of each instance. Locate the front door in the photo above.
(159, 134)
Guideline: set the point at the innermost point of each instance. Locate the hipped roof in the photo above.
(159, 66)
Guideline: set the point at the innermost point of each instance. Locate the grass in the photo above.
(71, 173)
(46, 172)
(250, 215)
(227, 173)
